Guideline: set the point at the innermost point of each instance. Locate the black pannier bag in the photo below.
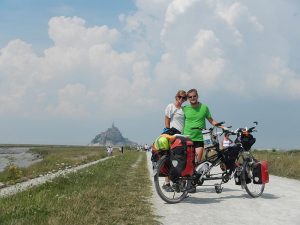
(260, 172)
(230, 155)
(178, 157)
(238, 179)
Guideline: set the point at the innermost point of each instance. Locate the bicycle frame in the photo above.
(219, 158)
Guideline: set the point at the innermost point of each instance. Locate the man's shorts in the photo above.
(198, 144)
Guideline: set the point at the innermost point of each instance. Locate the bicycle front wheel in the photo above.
(254, 190)
(161, 177)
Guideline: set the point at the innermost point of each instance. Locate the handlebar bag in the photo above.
(260, 172)
(182, 158)
(247, 141)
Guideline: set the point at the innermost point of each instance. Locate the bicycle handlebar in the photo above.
(226, 129)
(219, 124)
(239, 130)
(216, 125)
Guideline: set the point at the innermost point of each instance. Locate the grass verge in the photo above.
(116, 191)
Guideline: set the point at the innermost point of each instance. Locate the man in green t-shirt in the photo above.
(195, 115)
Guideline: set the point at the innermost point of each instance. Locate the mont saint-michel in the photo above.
(112, 136)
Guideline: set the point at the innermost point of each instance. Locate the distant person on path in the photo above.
(109, 150)
(146, 147)
(122, 149)
(174, 123)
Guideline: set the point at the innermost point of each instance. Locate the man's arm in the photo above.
(213, 122)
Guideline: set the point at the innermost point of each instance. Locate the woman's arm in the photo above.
(167, 122)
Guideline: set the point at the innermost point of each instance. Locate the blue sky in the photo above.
(28, 19)
(69, 69)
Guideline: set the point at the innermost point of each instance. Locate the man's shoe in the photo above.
(176, 187)
(191, 189)
(182, 186)
(167, 188)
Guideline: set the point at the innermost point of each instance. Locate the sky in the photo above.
(70, 69)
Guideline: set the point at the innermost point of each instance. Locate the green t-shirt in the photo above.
(195, 117)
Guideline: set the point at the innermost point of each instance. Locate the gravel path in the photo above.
(279, 205)
(11, 190)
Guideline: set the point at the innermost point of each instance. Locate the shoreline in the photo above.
(19, 156)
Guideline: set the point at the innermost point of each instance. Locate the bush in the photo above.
(14, 172)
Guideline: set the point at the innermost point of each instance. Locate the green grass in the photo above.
(55, 158)
(115, 191)
(282, 163)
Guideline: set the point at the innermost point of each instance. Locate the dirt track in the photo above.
(279, 205)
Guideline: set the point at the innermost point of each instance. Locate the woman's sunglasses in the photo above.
(181, 97)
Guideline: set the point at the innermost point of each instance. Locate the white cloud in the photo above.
(206, 43)
(72, 101)
(237, 15)
(71, 31)
(205, 58)
(282, 79)
(79, 54)
(170, 45)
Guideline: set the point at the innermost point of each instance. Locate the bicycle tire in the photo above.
(170, 197)
(254, 190)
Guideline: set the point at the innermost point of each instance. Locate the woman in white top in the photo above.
(174, 120)
(174, 117)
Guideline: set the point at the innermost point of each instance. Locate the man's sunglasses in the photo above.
(192, 96)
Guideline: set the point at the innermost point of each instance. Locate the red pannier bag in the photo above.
(261, 172)
(183, 152)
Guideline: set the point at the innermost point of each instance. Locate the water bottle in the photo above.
(203, 168)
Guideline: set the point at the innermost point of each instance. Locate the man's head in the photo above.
(193, 96)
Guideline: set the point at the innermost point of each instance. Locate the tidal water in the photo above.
(19, 156)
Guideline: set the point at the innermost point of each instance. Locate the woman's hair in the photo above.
(192, 90)
(180, 93)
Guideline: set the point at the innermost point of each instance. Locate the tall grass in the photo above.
(115, 191)
(282, 163)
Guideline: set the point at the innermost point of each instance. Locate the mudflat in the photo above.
(19, 156)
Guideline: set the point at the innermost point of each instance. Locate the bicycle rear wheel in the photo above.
(161, 172)
(254, 190)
